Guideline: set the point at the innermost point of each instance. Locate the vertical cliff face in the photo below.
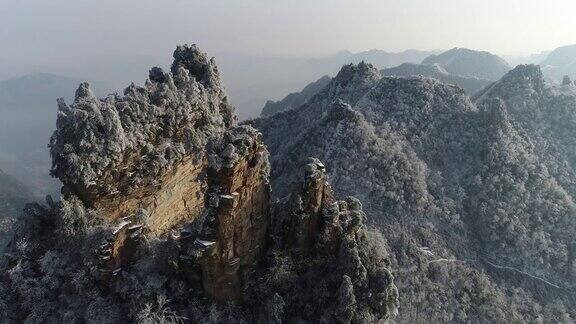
(233, 236)
(166, 156)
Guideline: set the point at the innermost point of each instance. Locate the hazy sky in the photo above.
(40, 32)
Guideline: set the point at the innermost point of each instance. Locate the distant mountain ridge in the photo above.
(466, 62)
(436, 71)
(560, 62)
(251, 81)
(379, 58)
(471, 84)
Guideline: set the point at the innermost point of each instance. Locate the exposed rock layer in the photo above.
(168, 149)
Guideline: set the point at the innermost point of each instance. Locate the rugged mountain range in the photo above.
(251, 81)
(462, 63)
(167, 217)
(466, 62)
(474, 195)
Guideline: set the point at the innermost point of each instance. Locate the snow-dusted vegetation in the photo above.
(69, 262)
(481, 189)
(464, 212)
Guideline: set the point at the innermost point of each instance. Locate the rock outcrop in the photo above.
(164, 156)
(140, 150)
(312, 230)
(234, 232)
(307, 208)
(164, 167)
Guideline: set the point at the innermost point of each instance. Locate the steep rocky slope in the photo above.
(478, 189)
(465, 62)
(167, 217)
(470, 84)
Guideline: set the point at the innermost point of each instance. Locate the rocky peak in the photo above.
(313, 225)
(317, 219)
(307, 205)
(351, 83)
(122, 145)
(351, 72)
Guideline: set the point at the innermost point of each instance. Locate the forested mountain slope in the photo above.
(465, 186)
